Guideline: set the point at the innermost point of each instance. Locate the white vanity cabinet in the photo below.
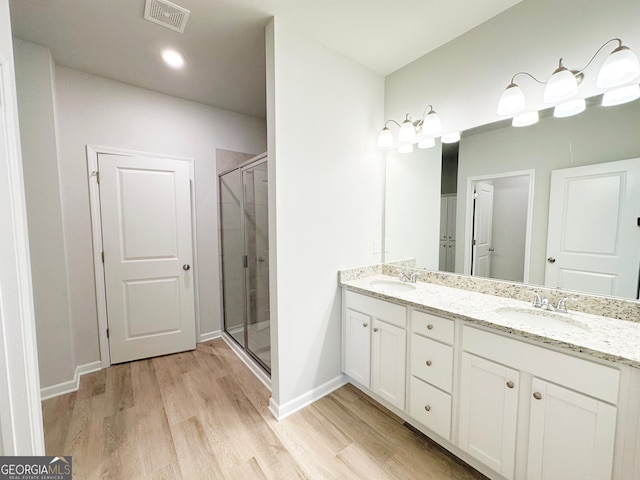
(489, 412)
(571, 403)
(570, 435)
(374, 352)
(431, 370)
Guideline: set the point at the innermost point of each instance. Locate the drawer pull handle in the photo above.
(429, 362)
(375, 329)
(429, 327)
(510, 384)
(537, 396)
(427, 408)
(365, 325)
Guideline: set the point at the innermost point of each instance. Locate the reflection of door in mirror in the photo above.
(593, 242)
(499, 215)
(482, 225)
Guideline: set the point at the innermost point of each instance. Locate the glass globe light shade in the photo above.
(406, 148)
(512, 100)
(525, 119)
(570, 108)
(385, 139)
(561, 86)
(432, 124)
(620, 67)
(427, 143)
(621, 95)
(407, 132)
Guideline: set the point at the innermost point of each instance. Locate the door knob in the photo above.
(491, 249)
(186, 266)
(551, 260)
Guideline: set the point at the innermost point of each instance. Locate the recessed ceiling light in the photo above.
(173, 58)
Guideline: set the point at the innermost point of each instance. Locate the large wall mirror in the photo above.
(556, 203)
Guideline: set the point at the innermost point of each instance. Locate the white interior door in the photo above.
(482, 223)
(146, 235)
(593, 242)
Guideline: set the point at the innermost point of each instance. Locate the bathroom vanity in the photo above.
(516, 391)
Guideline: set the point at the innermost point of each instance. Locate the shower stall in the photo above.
(244, 241)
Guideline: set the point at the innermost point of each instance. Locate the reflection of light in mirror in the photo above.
(407, 148)
(570, 108)
(621, 95)
(451, 137)
(525, 119)
(427, 143)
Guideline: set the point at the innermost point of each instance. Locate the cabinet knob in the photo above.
(537, 396)
(429, 327)
(429, 362)
(375, 329)
(510, 384)
(186, 267)
(427, 408)
(365, 325)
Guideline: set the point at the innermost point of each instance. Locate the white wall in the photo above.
(20, 410)
(34, 77)
(326, 186)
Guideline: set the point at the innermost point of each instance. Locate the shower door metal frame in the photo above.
(242, 167)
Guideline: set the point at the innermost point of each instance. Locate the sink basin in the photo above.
(392, 285)
(558, 322)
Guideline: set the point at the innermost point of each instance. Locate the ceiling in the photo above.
(224, 39)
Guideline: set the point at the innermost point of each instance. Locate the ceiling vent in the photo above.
(166, 14)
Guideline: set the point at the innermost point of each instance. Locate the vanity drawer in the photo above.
(432, 362)
(431, 407)
(389, 312)
(438, 328)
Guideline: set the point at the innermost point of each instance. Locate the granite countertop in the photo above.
(601, 337)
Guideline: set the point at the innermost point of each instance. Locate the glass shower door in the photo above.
(256, 241)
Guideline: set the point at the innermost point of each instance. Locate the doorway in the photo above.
(498, 220)
(244, 232)
(142, 220)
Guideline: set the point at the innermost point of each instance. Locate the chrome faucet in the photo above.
(537, 302)
(408, 278)
(562, 304)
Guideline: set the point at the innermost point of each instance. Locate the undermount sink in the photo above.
(559, 322)
(392, 285)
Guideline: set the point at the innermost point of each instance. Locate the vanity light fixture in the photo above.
(621, 95)
(525, 119)
(620, 67)
(418, 131)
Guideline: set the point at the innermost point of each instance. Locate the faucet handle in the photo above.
(562, 303)
(537, 302)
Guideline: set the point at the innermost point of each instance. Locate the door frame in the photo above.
(96, 233)
(468, 219)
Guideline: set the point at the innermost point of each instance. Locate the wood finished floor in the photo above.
(203, 415)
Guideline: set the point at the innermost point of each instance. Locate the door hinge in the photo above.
(102, 255)
(98, 177)
(245, 261)
(474, 242)
(107, 333)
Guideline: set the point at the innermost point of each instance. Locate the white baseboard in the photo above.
(248, 361)
(71, 385)
(205, 337)
(283, 411)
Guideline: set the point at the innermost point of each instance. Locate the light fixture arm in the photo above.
(385, 123)
(598, 51)
(528, 75)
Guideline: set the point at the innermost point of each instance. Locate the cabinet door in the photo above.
(451, 218)
(357, 349)
(488, 412)
(442, 259)
(444, 203)
(451, 256)
(571, 436)
(388, 362)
